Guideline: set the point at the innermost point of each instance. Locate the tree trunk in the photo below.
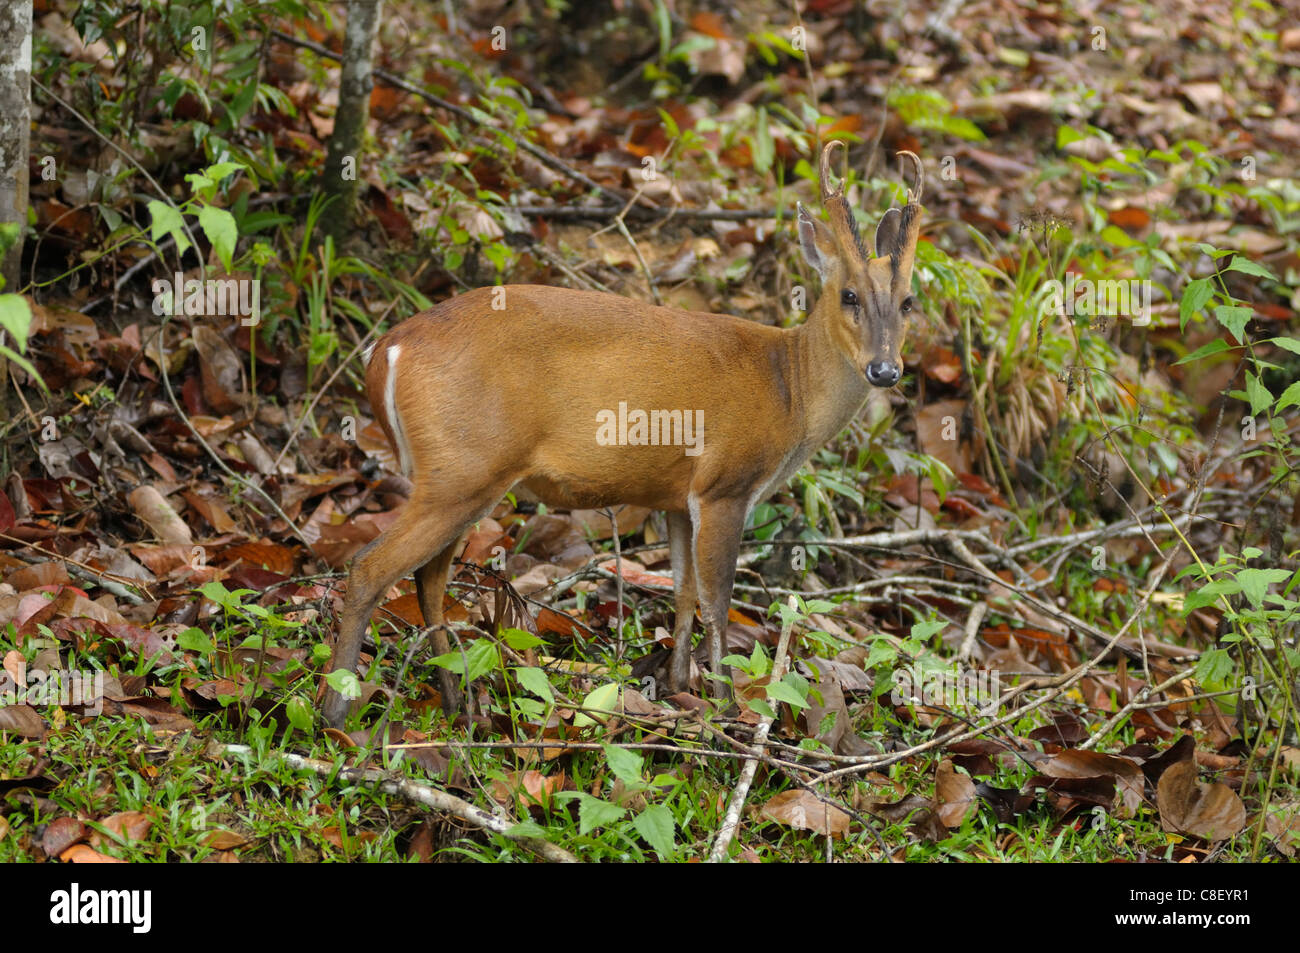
(343, 160)
(15, 129)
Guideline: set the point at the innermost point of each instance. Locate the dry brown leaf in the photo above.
(954, 794)
(224, 840)
(61, 833)
(803, 810)
(81, 854)
(1213, 811)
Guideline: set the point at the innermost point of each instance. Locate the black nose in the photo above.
(883, 373)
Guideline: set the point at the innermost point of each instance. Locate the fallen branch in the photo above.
(412, 791)
(731, 821)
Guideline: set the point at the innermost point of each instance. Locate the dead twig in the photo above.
(731, 821)
(412, 791)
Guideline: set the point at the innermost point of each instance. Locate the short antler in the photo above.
(843, 226)
(827, 194)
(914, 198)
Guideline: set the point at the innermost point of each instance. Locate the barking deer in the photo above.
(590, 400)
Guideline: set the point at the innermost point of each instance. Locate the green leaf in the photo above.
(1214, 667)
(1289, 396)
(784, 691)
(528, 829)
(219, 594)
(1195, 296)
(625, 764)
(1213, 252)
(219, 226)
(194, 640)
(219, 170)
(1216, 346)
(16, 318)
(1209, 594)
(481, 656)
(1289, 344)
(1257, 394)
(763, 709)
(657, 828)
(1066, 135)
(1117, 237)
(604, 698)
(1255, 582)
(534, 680)
(166, 220)
(344, 682)
(519, 640)
(923, 631)
(592, 811)
(1248, 267)
(1234, 319)
(882, 651)
(299, 713)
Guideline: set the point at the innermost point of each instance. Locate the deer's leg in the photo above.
(683, 562)
(430, 587)
(429, 525)
(718, 526)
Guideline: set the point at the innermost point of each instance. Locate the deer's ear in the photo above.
(887, 233)
(816, 242)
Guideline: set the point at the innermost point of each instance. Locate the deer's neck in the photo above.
(830, 387)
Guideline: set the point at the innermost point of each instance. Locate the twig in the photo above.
(411, 790)
(973, 621)
(620, 646)
(104, 580)
(1135, 703)
(731, 821)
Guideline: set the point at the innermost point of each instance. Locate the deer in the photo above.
(529, 386)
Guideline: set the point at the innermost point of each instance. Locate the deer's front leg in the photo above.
(718, 526)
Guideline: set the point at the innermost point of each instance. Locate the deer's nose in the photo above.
(883, 373)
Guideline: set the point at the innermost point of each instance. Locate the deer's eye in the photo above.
(906, 306)
(849, 298)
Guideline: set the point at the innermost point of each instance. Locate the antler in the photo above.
(843, 226)
(915, 198)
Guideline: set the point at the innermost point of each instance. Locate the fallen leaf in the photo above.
(1188, 806)
(803, 810)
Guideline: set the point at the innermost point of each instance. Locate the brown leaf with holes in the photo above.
(803, 810)
(1212, 811)
(61, 833)
(954, 794)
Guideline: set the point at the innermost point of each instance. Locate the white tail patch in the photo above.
(368, 353)
(390, 410)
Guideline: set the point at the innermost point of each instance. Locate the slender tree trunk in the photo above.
(15, 129)
(343, 160)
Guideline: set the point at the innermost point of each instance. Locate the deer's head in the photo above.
(867, 301)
